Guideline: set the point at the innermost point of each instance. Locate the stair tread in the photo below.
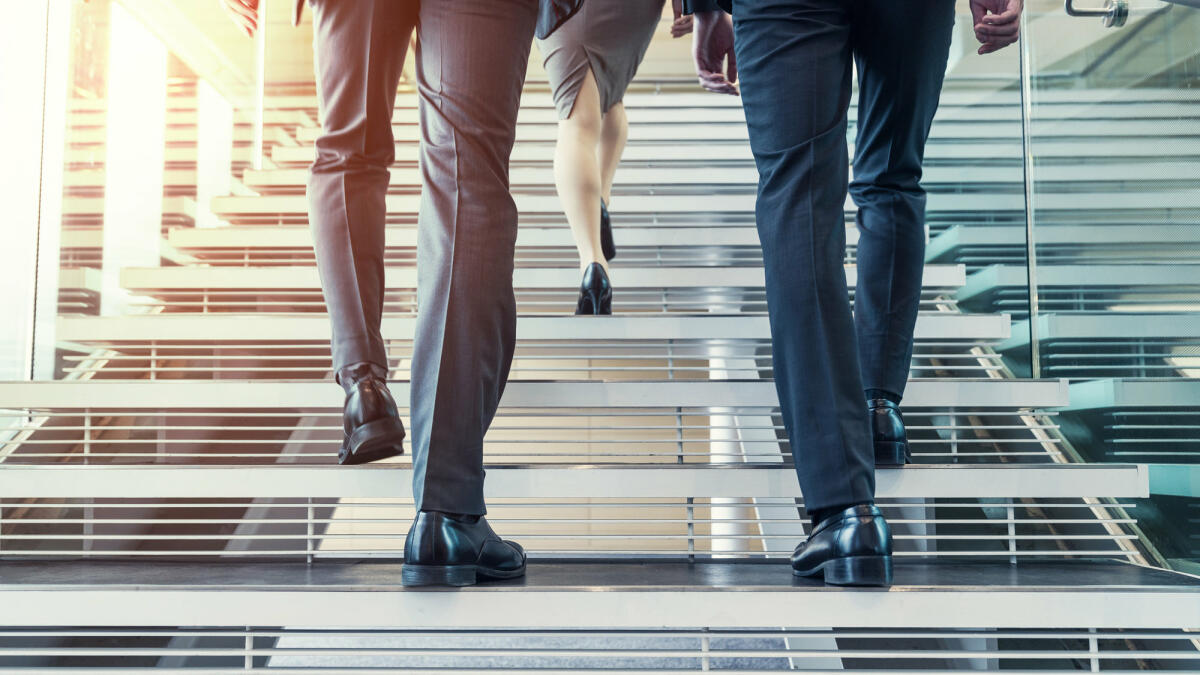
(591, 575)
(557, 481)
(930, 325)
(619, 594)
(318, 394)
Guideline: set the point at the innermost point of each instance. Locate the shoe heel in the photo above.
(589, 302)
(891, 453)
(374, 441)
(437, 575)
(859, 571)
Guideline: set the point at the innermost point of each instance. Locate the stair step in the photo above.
(639, 233)
(267, 280)
(317, 395)
(1181, 149)
(629, 595)
(1106, 327)
(1109, 284)
(637, 177)
(919, 481)
(980, 241)
(145, 328)
(712, 207)
(695, 128)
(1135, 393)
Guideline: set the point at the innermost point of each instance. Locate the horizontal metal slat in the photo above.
(287, 278)
(930, 325)
(681, 481)
(230, 394)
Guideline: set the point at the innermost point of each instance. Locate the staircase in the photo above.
(172, 501)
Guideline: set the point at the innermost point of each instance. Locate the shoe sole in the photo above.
(853, 571)
(451, 575)
(891, 453)
(373, 441)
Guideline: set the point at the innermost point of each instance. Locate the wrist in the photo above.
(707, 17)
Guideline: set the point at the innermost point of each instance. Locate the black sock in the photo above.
(882, 393)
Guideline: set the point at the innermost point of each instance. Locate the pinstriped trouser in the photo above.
(470, 63)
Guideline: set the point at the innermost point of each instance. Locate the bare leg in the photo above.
(613, 134)
(577, 172)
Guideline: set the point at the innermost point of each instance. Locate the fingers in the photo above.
(996, 38)
(1001, 31)
(244, 14)
(715, 82)
(731, 66)
(989, 47)
(997, 30)
(978, 11)
(682, 26)
(1009, 15)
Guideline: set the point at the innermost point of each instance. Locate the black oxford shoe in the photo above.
(449, 550)
(849, 548)
(887, 431)
(370, 422)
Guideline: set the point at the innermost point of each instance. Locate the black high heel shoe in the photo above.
(595, 293)
(606, 238)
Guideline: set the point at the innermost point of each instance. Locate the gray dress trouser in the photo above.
(471, 64)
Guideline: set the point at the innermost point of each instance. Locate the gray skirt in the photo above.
(608, 36)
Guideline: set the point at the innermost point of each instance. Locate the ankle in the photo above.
(821, 515)
(350, 375)
(875, 394)
(460, 517)
(585, 263)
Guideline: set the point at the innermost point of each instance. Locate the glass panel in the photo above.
(160, 119)
(976, 204)
(1116, 214)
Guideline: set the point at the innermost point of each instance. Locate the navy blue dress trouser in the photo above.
(795, 60)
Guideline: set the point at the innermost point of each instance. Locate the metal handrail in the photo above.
(1114, 13)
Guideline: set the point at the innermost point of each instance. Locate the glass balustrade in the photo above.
(1114, 214)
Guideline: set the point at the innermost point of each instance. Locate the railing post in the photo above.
(691, 529)
(954, 434)
(1011, 516)
(1094, 650)
(308, 539)
(248, 651)
(679, 434)
(1026, 74)
(87, 435)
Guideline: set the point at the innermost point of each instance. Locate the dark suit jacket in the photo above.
(551, 14)
(693, 6)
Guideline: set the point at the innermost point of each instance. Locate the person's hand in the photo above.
(712, 48)
(997, 23)
(244, 13)
(682, 25)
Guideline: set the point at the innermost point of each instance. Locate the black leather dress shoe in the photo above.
(887, 430)
(448, 550)
(850, 548)
(595, 293)
(606, 236)
(370, 422)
